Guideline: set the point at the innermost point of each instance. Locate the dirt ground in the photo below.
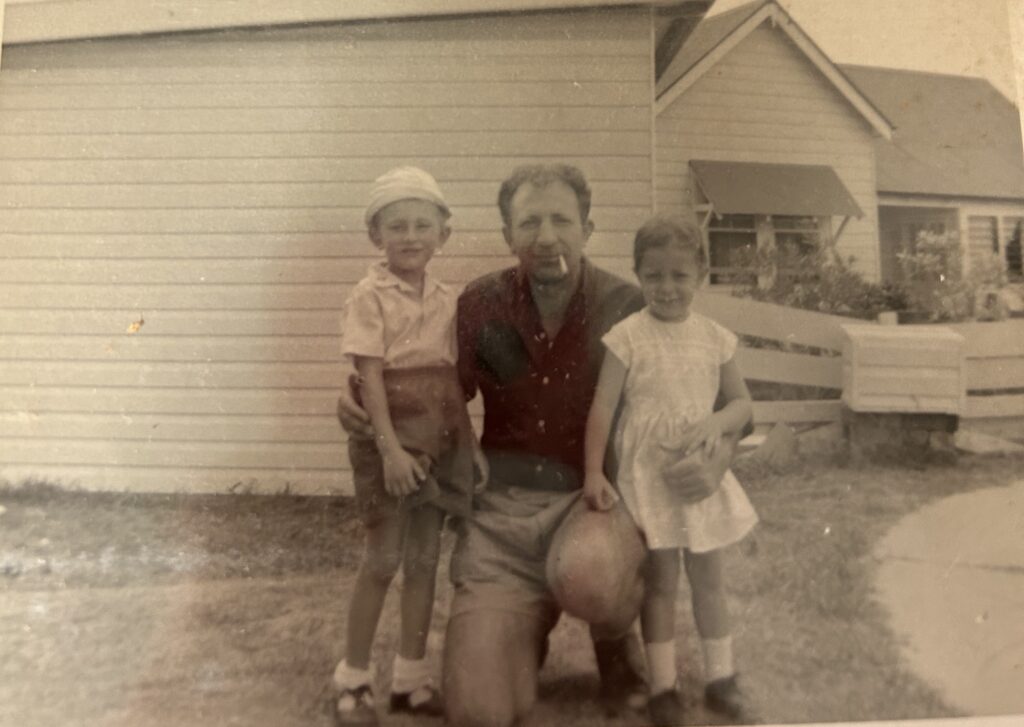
(222, 610)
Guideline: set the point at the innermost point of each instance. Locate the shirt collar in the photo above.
(384, 278)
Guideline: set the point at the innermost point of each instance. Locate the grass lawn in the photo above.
(160, 610)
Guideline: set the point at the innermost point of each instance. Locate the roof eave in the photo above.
(781, 18)
(955, 195)
(62, 20)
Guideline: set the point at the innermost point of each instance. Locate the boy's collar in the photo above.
(384, 278)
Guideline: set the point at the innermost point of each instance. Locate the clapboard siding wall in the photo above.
(181, 220)
(765, 102)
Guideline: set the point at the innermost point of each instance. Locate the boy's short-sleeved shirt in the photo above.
(386, 318)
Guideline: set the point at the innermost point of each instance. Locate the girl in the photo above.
(667, 364)
(399, 329)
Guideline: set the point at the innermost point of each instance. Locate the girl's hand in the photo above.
(598, 492)
(402, 473)
(705, 434)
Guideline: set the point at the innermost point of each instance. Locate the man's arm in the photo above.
(465, 343)
(351, 415)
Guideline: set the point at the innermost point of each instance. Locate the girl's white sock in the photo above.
(347, 677)
(718, 658)
(661, 666)
(408, 675)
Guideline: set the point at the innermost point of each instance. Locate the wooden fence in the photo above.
(995, 363)
(786, 327)
(995, 377)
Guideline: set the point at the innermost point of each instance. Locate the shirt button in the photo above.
(545, 380)
(540, 425)
(538, 468)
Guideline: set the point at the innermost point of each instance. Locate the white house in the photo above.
(181, 187)
(768, 141)
(954, 165)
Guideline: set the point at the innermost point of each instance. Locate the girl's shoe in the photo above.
(725, 697)
(424, 702)
(665, 709)
(355, 707)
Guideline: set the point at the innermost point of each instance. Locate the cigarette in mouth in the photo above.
(563, 268)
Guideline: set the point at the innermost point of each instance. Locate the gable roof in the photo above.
(719, 34)
(956, 135)
(705, 38)
(33, 21)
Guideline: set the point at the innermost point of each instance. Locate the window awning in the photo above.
(774, 189)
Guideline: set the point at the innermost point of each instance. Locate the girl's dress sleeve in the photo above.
(363, 325)
(727, 342)
(619, 343)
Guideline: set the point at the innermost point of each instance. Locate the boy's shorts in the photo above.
(373, 502)
(501, 554)
(428, 413)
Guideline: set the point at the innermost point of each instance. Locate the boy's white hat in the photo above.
(403, 183)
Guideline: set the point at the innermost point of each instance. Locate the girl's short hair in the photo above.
(664, 230)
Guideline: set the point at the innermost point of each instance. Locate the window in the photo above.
(734, 239)
(1012, 229)
(796, 235)
(982, 236)
(911, 233)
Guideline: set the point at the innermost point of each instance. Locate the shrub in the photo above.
(818, 280)
(938, 289)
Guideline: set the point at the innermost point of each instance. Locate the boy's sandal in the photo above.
(423, 701)
(355, 707)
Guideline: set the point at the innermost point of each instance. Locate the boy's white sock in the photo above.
(718, 658)
(408, 675)
(347, 677)
(661, 666)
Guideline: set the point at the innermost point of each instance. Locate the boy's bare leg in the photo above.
(491, 661)
(382, 556)
(419, 575)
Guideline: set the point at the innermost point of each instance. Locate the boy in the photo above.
(399, 329)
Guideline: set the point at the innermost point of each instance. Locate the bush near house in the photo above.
(821, 281)
(938, 289)
(934, 286)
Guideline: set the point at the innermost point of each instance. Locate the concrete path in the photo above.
(952, 578)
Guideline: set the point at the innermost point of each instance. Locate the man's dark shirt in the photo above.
(537, 392)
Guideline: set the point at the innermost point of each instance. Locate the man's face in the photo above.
(544, 224)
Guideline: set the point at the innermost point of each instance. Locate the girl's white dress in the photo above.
(672, 380)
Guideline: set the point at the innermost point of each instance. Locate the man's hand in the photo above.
(598, 492)
(353, 417)
(698, 476)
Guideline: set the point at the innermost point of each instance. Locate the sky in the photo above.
(965, 37)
